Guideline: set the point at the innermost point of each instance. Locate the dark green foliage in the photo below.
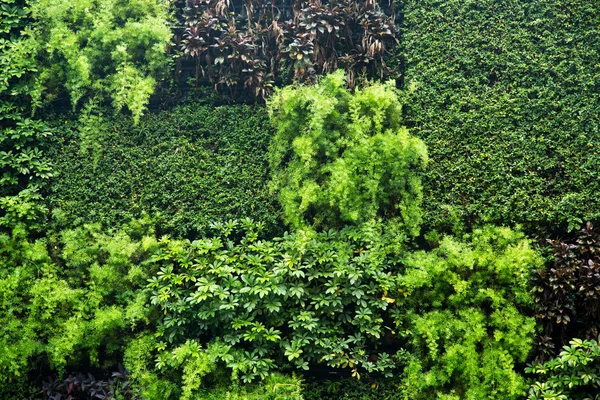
(460, 309)
(194, 165)
(366, 388)
(568, 290)
(573, 375)
(22, 165)
(340, 158)
(299, 300)
(505, 95)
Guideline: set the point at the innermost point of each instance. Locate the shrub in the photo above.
(245, 48)
(460, 309)
(299, 300)
(69, 304)
(574, 374)
(340, 158)
(113, 49)
(193, 165)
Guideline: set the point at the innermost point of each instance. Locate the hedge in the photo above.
(505, 95)
(193, 164)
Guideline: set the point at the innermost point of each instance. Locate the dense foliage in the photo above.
(573, 375)
(190, 299)
(249, 46)
(22, 165)
(304, 298)
(101, 49)
(568, 290)
(70, 303)
(461, 312)
(193, 164)
(340, 158)
(504, 95)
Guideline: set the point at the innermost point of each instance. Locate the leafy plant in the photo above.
(76, 385)
(461, 308)
(568, 290)
(300, 300)
(22, 165)
(186, 167)
(504, 95)
(340, 158)
(70, 303)
(113, 49)
(572, 375)
(253, 47)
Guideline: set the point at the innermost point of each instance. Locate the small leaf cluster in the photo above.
(339, 158)
(76, 385)
(299, 300)
(186, 167)
(572, 375)
(22, 164)
(504, 95)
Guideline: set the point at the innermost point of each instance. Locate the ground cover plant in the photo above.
(186, 167)
(503, 95)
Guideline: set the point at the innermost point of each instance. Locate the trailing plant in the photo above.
(340, 158)
(250, 45)
(568, 290)
(106, 49)
(461, 308)
(572, 375)
(299, 300)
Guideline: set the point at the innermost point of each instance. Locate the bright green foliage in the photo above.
(72, 306)
(193, 164)
(505, 95)
(22, 166)
(191, 371)
(460, 310)
(298, 300)
(102, 48)
(342, 158)
(573, 375)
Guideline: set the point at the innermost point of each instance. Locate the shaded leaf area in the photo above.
(192, 165)
(252, 45)
(568, 291)
(504, 94)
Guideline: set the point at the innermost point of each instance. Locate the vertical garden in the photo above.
(299, 199)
